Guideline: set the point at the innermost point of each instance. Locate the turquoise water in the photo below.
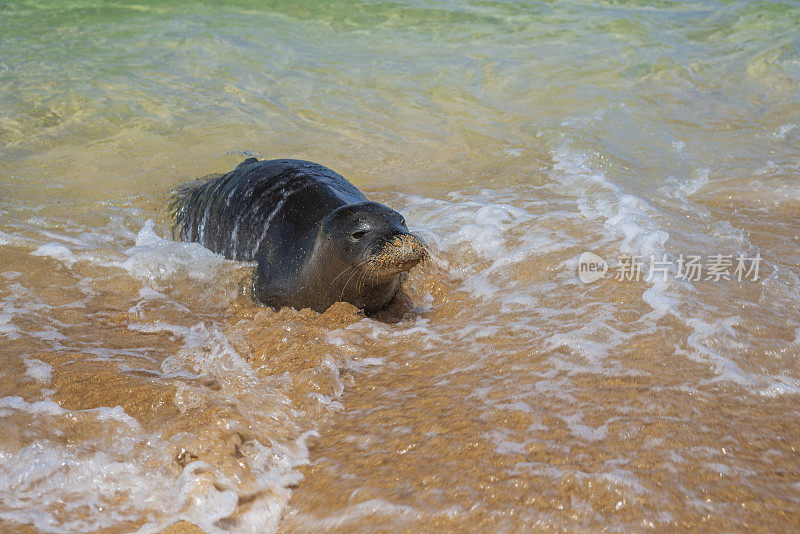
(513, 136)
(460, 77)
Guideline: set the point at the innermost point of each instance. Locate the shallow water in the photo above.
(139, 385)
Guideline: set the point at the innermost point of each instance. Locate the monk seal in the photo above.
(315, 237)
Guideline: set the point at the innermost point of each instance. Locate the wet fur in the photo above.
(290, 217)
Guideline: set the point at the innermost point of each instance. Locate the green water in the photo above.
(371, 83)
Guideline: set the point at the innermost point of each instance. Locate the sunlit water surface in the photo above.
(139, 386)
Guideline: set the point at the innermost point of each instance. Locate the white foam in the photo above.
(155, 259)
(488, 230)
(696, 183)
(626, 478)
(781, 385)
(785, 129)
(208, 353)
(704, 339)
(7, 327)
(71, 477)
(13, 240)
(624, 214)
(504, 445)
(38, 370)
(474, 237)
(657, 298)
(17, 302)
(630, 229)
(354, 512)
(11, 404)
(632, 220)
(124, 462)
(136, 469)
(575, 425)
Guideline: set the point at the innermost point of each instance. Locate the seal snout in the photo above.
(399, 253)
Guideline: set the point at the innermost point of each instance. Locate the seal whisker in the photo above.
(362, 281)
(356, 268)
(352, 267)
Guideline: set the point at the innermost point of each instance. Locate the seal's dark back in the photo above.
(232, 214)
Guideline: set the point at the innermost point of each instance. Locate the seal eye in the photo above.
(358, 234)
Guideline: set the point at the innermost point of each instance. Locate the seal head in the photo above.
(360, 255)
(366, 249)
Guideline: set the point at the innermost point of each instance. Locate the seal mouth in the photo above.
(396, 255)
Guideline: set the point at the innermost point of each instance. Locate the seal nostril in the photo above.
(358, 235)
